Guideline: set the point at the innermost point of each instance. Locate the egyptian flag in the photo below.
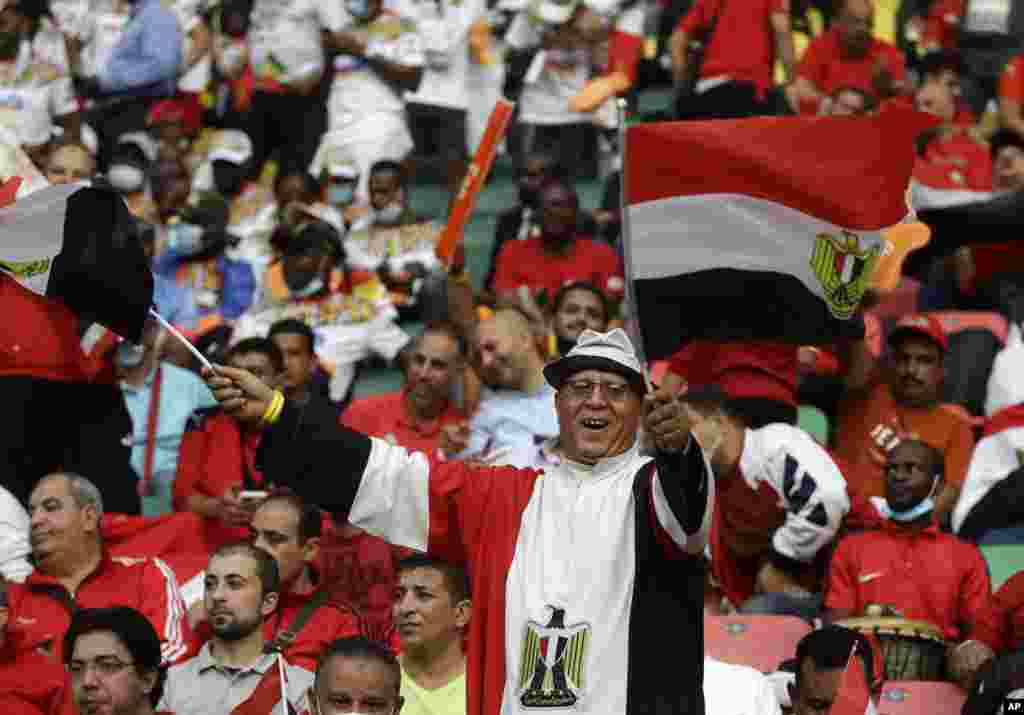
(853, 696)
(760, 229)
(78, 244)
(988, 497)
(992, 227)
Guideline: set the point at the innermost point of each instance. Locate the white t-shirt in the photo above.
(33, 92)
(737, 690)
(361, 103)
(444, 29)
(97, 23)
(554, 77)
(284, 36)
(348, 328)
(14, 544)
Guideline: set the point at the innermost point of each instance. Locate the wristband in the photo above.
(274, 409)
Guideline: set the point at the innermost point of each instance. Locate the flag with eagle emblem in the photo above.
(760, 229)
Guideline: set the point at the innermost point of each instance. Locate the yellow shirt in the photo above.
(447, 700)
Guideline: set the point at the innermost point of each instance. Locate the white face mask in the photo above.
(126, 178)
(390, 214)
(231, 58)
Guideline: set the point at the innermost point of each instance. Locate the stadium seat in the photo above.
(1004, 560)
(974, 340)
(761, 642)
(912, 697)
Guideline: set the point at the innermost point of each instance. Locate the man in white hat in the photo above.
(579, 571)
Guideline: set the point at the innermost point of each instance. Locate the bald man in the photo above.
(516, 412)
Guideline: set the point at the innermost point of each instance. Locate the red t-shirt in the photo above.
(524, 263)
(1001, 625)
(925, 575)
(942, 23)
(869, 428)
(825, 66)
(742, 369)
(743, 44)
(384, 416)
(210, 462)
(955, 160)
(1011, 82)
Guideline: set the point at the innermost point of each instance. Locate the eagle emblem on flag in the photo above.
(553, 662)
(843, 267)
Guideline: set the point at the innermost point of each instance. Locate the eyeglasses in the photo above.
(584, 389)
(105, 667)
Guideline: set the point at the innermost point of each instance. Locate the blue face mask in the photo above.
(340, 194)
(924, 507)
(358, 9)
(185, 239)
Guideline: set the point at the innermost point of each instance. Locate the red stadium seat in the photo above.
(761, 642)
(957, 321)
(975, 337)
(912, 697)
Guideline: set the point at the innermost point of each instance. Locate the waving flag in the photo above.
(78, 244)
(760, 229)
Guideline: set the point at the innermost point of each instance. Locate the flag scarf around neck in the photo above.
(761, 229)
(77, 244)
(853, 696)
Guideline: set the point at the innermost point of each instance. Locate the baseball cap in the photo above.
(926, 325)
(176, 111)
(555, 12)
(611, 352)
(231, 145)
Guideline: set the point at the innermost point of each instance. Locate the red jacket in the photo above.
(330, 622)
(40, 608)
(39, 338)
(210, 461)
(33, 685)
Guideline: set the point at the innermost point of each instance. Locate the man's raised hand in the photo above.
(666, 422)
(240, 393)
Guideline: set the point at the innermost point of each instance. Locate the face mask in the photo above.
(926, 506)
(231, 58)
(129, 355)
(359, 9)
(390, 215)
(126, 178)
(10, 42)
(314, 286)
(228, 178)
(185, 238)
(340, 194)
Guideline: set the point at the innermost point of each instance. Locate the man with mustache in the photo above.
(243, 587)
(413, 417)
(884, 408)
(74, 571)
(847, 55)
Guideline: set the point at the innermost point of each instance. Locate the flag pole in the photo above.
(632, 321)
(185, 341)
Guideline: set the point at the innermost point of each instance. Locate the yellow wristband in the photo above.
(274, 409)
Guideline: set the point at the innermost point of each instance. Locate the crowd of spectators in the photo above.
(270, 151)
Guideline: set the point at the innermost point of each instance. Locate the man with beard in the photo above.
(350, 312)
(847, 55)
(242, 589)
(560, 254)
(901, 403)
(576, 307)
(413, 417)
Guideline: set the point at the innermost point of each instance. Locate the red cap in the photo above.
(922, 324)
(176, 111)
